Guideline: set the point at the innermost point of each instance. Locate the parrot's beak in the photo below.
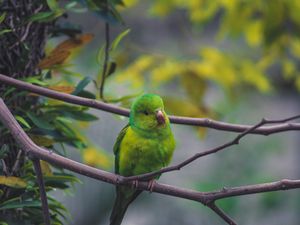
(160, 117)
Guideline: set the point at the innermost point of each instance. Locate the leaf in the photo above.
(41, 140)
(39, 122)
(53, 4)
(112, 68)
(35, 80)
(22, 121)
(46, 16)
(81, 116)
(3, 151)
(86, 94)
(118, 39)
(17, 203)
(2, 17)
(81, 85)
(75, 42)
(97, 157)
(46, 168)
(14, 182)
(5, 31)
(53, 59)
(194, 86)
(64, 89)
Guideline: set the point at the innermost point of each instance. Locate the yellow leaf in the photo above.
(253, 33)
(64, 89)
(63, 50)
(55, 58)
(46, 168)
(41, 140)
(288, 68)
(95, 157)
(194, 85)
(14, 182)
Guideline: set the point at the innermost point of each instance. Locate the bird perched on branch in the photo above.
(146, 144)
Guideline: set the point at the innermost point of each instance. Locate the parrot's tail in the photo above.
(121, 204)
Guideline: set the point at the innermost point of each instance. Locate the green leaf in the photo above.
(81, 85)
(46, 16)
(2, 17)
(3, 151)
(22, 121)
(70, 5)
(118, 39)
(86, 94)
(53, 4)
(81, 116)
(18, 203)
(39, 122)
(112, 68)
(5, 31)
(35, 80)
(100, 54)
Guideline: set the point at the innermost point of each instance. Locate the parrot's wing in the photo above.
(117, 147)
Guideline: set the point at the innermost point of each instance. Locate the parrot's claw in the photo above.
(151, 185)
(135, 184)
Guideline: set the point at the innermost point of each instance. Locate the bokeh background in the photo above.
(232, 60)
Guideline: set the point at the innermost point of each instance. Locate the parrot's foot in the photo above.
(135, 184)
(151, 185)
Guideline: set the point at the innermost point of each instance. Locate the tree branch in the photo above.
(235, 141)
(39, 176)
(206, 198)
(202, 122)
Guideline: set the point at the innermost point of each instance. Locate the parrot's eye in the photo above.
(146, 113)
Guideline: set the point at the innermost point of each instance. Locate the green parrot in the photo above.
(146, 144)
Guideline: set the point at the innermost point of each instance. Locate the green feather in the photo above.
(146, 144)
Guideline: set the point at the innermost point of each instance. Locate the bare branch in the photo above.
(202, 122)
(39, 176)
(222, 214)
(235, 141)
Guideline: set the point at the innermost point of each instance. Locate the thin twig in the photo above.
(235, 141)
(39, 176)
(222, 214)
(106, 57)
(202, 122)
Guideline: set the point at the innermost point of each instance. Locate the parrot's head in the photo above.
(147, 113)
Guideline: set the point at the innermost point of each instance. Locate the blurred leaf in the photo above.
(22, 121)
(53, 59)
(2, 17)
(270, 201)
(64, 89)
(41, 140)
(81, 116)
(46, 16)
(194, 85)
(81, 85)
(53, 4)
(16, 203)
(14, 182)
(35, 80)
(5, 31)
(118, 39)
(46, 168)
(111, 69)
(86, 94)
(4, 150)
(39, 122)
(97, 157)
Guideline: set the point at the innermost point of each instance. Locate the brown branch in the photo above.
(39, 176)
(206, 198)
(221, 213)
(202, 122)
(235, 141)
